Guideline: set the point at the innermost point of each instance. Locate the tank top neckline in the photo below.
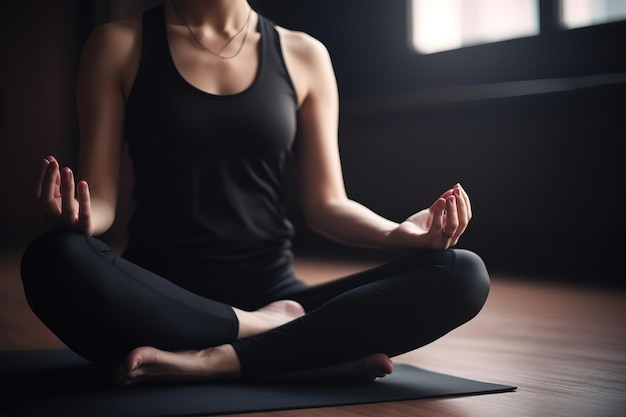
(197, 90)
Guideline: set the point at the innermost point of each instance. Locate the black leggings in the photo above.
(103, 306)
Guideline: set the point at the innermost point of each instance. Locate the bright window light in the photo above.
(440, 25)
(580, 13)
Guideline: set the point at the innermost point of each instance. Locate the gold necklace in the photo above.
(212, 52)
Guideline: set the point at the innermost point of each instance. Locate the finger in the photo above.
(50, 188)
(443, 197)
(442, 241)
(68, 201)
(463, 215)
(84, 208)
(466, 198)
(451, 219)
(438, 208)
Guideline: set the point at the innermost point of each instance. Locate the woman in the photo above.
(212, 100)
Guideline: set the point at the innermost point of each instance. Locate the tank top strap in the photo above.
(154, 32)
(272, 55)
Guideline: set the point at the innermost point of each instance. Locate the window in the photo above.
(440, 25)
(579, 13)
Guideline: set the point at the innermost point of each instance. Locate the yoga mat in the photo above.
(59, 383)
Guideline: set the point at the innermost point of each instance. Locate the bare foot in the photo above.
(149, 365)
(266, 318)
(366, 369)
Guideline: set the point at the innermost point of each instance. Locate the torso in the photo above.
(209, 151)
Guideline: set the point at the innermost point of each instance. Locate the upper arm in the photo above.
(107, 67)
(318, 160)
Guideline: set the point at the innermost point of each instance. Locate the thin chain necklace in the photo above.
(212, 52)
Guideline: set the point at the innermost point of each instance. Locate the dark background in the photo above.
(533, 127)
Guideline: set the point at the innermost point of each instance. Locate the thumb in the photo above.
(84, 208)
(438, 209)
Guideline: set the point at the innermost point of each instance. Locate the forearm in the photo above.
(102, 215)
(351, 223)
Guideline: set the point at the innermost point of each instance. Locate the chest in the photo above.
(209, 73)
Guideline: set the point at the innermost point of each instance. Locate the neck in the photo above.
(222, 16)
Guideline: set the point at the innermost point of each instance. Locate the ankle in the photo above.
(222, 361)
(266, 318)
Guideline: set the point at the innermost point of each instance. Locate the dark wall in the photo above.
(542, 171)
(541, 159)
(40, 45)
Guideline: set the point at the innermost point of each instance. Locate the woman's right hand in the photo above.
(64, 205)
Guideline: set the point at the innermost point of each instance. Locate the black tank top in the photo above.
(209, 168)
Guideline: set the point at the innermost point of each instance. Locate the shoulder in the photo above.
(303, 46)
(114, 39)
(112, 53)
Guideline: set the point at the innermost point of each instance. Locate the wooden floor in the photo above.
(564, 348)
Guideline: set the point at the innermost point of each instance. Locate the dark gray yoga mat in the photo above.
(59, 383)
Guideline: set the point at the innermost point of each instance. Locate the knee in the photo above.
(46, 251)
(456, 277)
(472, 280)
(53, 257)
(41, 263)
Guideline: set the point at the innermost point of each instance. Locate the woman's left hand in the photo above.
(438, 227)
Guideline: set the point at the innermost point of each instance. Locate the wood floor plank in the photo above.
(564, 347)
